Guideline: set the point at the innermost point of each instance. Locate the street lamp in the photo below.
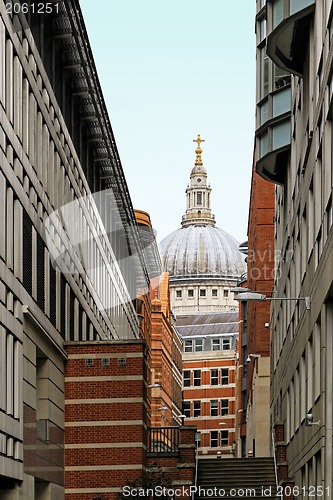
(239, 289)
(259, 297)
(248, 359)
(182, 416)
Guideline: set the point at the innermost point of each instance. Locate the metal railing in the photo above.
(163, 439)
(275, 465)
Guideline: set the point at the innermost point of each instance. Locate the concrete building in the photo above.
(75, 272)
(294, 150)
(202, 260)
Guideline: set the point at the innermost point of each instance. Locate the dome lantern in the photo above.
(198, 209)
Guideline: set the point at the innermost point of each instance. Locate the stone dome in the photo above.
(201, 251)
(199, 170)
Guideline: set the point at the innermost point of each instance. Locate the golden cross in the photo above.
(198, 140)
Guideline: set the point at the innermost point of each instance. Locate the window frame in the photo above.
(187, 408)
(224, 407)
(215, 377)
(215, 439)
(223, 377)
(226, 341)
(198, 343)
(188, 345)
(187, 378)
(197, 408)
(224, 438)
(216, 344)
(195, 378)
(214, 407)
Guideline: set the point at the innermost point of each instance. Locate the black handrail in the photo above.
(163, 439)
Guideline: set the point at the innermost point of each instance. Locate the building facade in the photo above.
(209, 344)
(294, 150)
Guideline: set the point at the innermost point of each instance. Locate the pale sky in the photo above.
(169, 71)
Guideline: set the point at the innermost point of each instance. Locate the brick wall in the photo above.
(105, 417)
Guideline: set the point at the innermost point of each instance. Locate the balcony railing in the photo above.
(163, 440)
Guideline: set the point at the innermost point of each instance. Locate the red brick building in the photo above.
(118, 391)
(105, 416)
(209, 357)
(253, 366)
(166, 361)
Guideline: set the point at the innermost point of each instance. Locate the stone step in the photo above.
(237, 478)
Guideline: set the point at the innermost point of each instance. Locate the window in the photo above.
(178, 294)
(264, 73)
(221, 344)
(214, 410)
(224, 376)
(262, 31)
(197, 377)
(186, 378)
(224, 438)
(216, 344)
(198, 345)
(190, 293)
(224, 407)
(195, 345)
(188, 346)
(225, 293)
(214, 441)
(199, 198)
(196, 408)
(214, 377)
(27, 253)
(202, 292)
(281, 78)
(187, 408)
(214, 292)
(226, 344)
(278, 11)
